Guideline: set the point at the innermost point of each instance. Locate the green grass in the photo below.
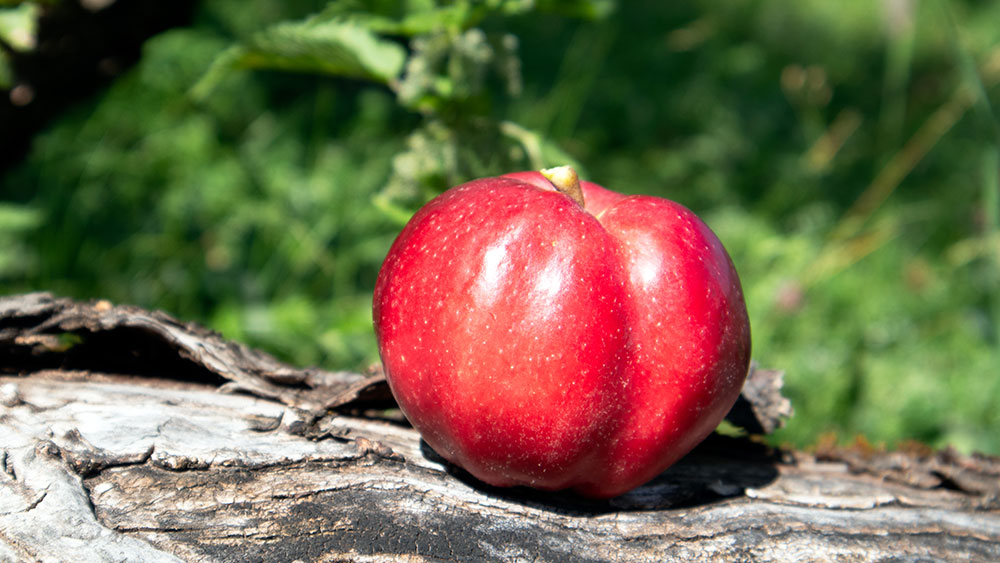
(847, 157)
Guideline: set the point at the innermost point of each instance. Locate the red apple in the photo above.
(557, 334)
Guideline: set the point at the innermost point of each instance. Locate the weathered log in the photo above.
(116, 444)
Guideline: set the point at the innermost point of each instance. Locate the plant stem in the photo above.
(566, 180)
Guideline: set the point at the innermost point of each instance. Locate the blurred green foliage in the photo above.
(18, 26)
(253, 169)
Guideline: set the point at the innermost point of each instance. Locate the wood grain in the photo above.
(170, 464)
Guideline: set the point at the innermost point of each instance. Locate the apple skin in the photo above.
(535, 342)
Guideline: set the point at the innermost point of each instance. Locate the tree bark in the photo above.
(128, 436)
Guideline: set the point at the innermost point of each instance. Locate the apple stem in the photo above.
(566, 181)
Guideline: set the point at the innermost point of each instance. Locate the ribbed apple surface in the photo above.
(541, 331)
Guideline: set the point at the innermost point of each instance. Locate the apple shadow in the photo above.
(720, 468)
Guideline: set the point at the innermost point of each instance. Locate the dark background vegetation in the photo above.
(249, 164)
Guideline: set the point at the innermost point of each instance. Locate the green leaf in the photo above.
(406, 18)
(340, 48)
(410, 18)
(333, 47)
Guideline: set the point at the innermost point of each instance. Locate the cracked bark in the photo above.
(148, 439)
